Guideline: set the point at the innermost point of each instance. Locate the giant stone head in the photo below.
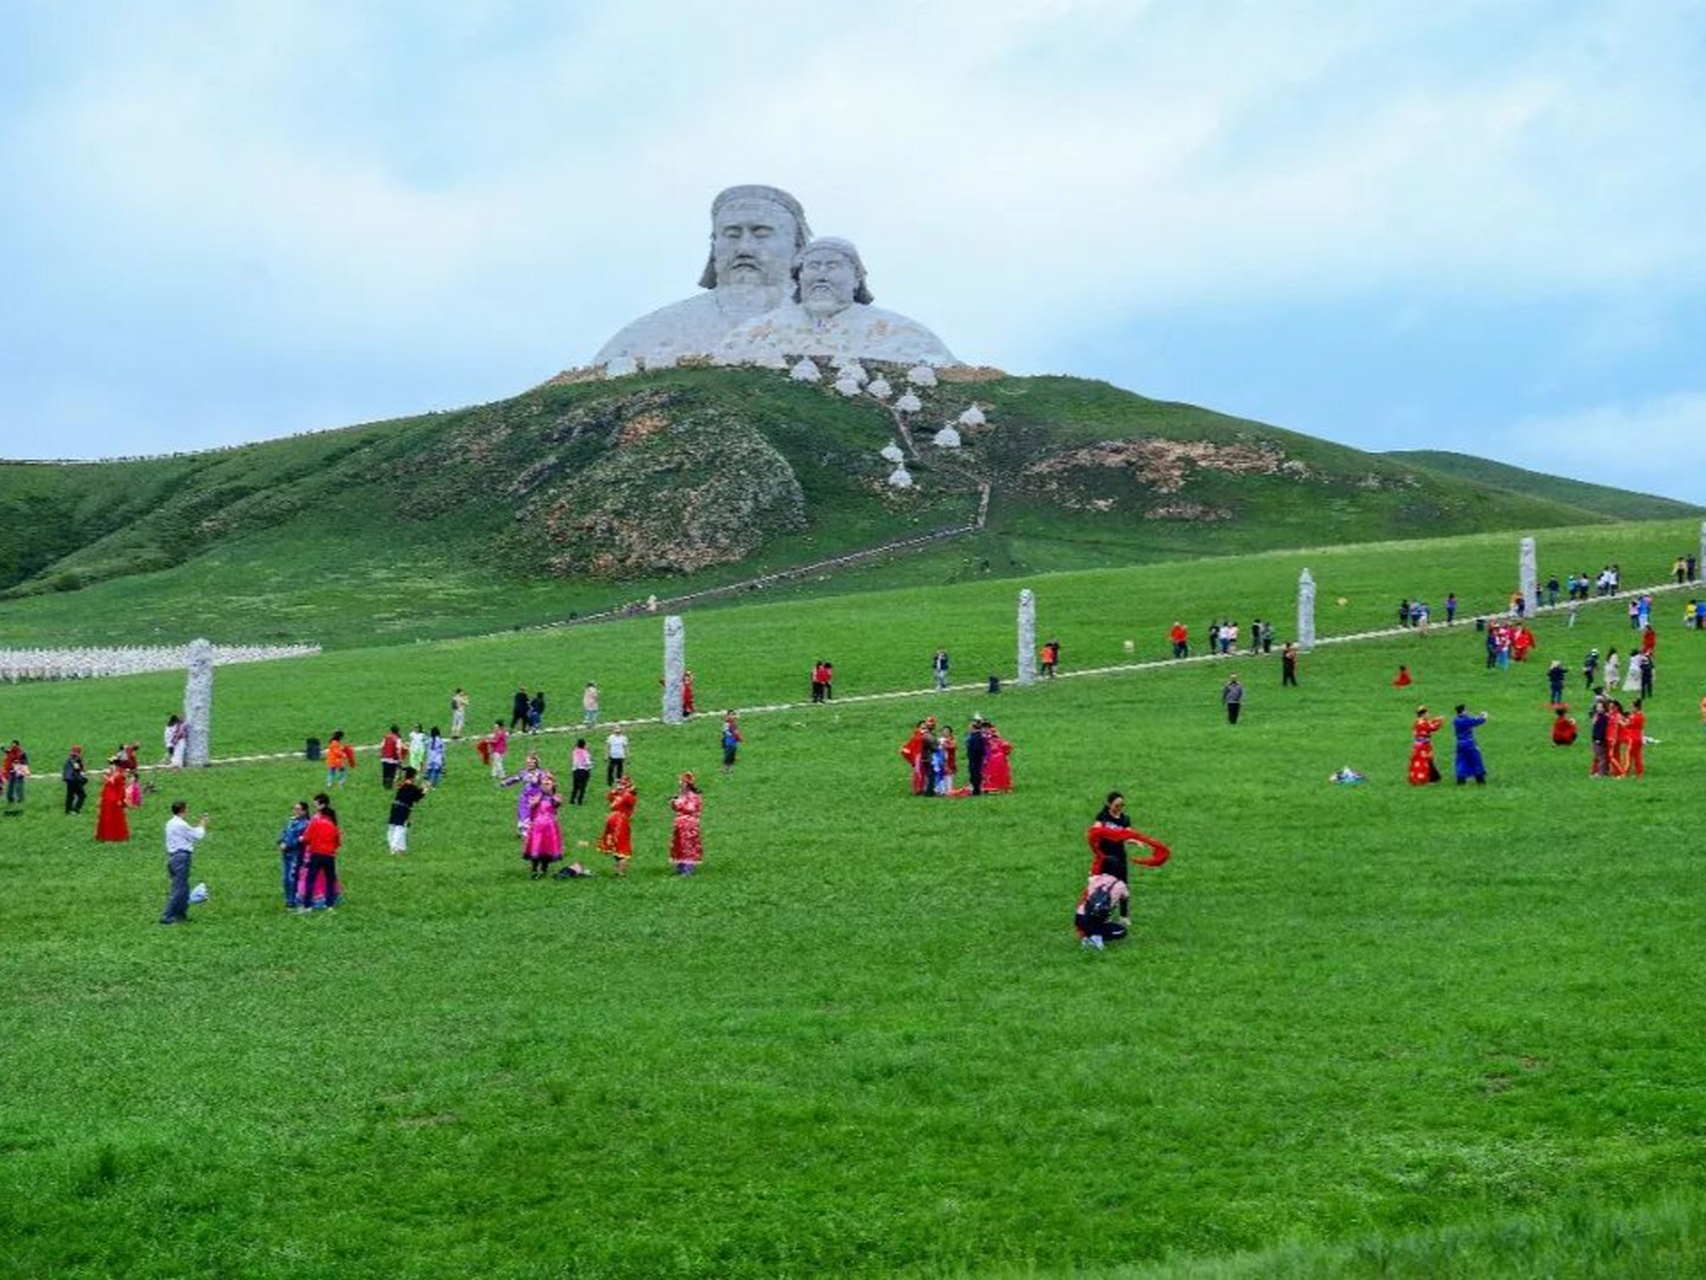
(756, 231)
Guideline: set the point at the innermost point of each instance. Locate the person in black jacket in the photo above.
(977, 747)
(518, 711)
(76, 780)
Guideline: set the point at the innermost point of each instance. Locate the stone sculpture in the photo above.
(198, 702)
(892, 452)
(830, 314)
(921, 376)
(879, 387)
(674, 667)
(973, 417)
(756, 232)
(1027, 638)
(900, 477)
(1305, 612)
(947, 438)
(908, 403)
(805, 371)
(1527, 575)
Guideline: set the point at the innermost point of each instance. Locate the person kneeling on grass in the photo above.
(1095, 917)
(1108, 837)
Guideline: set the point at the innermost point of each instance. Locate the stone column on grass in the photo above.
(198, 703)
(1027, 673)
(674, 667)
(1305, 612)
(1528, 578)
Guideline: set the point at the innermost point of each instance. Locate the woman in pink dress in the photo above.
(997, 772)
(544, 843)
(686, 849)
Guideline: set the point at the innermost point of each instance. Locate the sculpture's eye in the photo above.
(761, 233)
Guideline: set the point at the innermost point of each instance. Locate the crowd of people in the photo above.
(414, 765)
(932, 756)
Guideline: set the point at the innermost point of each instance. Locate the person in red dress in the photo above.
(1422, 767)
(617, 839)
(110, 823)
(686, 847)
(686, 693)
(1403, 679)
(912, 751)
(997, 769)
(1634, 739)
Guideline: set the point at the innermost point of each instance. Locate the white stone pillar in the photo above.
(1027, 672)
(1528, 578)
(1305, 612)
(198, 702)
(674, 665)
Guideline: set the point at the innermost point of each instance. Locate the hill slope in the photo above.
(579, 494)
(1619, 504)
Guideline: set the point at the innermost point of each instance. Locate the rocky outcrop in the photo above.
(670, 500)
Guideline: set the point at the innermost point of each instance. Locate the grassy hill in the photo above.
(1619, 504)
(1368, 1031)
(576, 496)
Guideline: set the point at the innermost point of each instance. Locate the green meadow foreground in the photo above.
(1359, 1031)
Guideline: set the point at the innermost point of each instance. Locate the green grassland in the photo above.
(577, 497)
(1370, 1031)
(1619, 504)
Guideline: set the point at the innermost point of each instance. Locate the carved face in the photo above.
(828, 281)
(753, 243)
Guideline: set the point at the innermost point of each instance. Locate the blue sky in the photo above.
(1454, 225)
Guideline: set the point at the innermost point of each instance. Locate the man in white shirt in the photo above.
(615, 756)
(181, 840)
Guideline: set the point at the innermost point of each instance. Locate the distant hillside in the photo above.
(1619, 504)
(580, 494)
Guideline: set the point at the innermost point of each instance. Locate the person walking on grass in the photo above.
(76, 780)
(111, 825)
(416, 757)
(580, 765)
(615, 756)
(290, 851)
(181, 840)
(434, 758)
(686, 844)
(1050, 658)
(1469, 762)
(731, 742)
(1180, 637)
(1555, 681)
(409, 793)
(1232, 697)
(321, 840)
(497, 747)
(589, 704)
(390, 757)
(939, 668)
(458, 712)
(518, 708)
(1288, 665)
(617, 838)
(544, 843)
(536, 712)
(15, 769)
(339, 760)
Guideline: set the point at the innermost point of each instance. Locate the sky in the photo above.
(1452, 225)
